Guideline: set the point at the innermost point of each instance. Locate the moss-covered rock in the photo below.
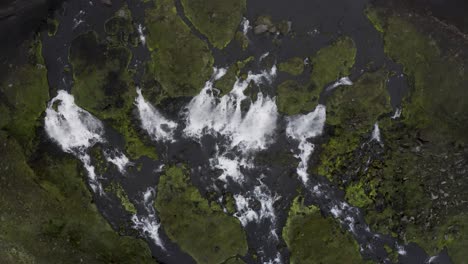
(181, 62)
(329, 64)
(47, 214)
(410, 186)
(332, 62)
(120, 29)
(216, 19)
(352, 111)
(199, 227)
(121, 195)
(23, 96)
(311, 238)
(226, 83)
(103, 86)
(293, 66)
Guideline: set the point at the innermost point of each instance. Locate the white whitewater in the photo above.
(376, 133)
(118, 159)
(262, 195)
(156, 125)
(302, 128)
(245, 25)
(74, 130)
(397, 113)
(149, 224)
(344, 81)
(141, 34)
(222, 117)
(208, 114)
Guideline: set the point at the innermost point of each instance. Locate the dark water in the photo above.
(330, 19)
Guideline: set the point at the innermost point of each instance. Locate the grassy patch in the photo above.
(311, 238)
(329, 64)
(199, 227)
(103, 86)
(181, 62)
(48, 215)
(216, 19)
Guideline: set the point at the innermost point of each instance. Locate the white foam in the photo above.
(376, 133)
(397, 114)
(118, 159)
(207, 114)
(141, 34)
(276, 260)
(74, 130)
(263, 56)
(245, 24)
(302, 128)
(231, 167)
(155, 124)
(266, 212)
(342, 81)
(149, 224)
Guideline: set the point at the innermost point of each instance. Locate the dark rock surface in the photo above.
(18, 20)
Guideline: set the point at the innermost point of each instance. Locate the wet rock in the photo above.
(260, 29)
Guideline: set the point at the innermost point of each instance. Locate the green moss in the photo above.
(181, 62)
(352, 111)
(356, 195)
(226, 83)
(48, 215)
(52, 26)
(375, 18)
(293, 66)
(242, 40)
(438, 80)
(333, 62)
(120, 29)
(216, 19)
(293, 97)
(120, 193)
(25, 92)
(329, 64)
(103, 86)
(200, 228)
(312, 238)
(234, 261)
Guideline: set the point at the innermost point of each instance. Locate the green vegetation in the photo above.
(226, 83)
(332, 62)
(52, 26)
(23, 96)
(120, 29)
(293, 66)
(48, 215)
(217, 19)
(352, 112)
(181, 62)
(329, 64)
(199, 227)
(411, 187)
(119, 192)
(311, 238)
(103, 83)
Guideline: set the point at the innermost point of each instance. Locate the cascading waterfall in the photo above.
(302, 129)
(158, 127)
(262, 195)
(118, 159)
(149, 224)
(74, 130)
